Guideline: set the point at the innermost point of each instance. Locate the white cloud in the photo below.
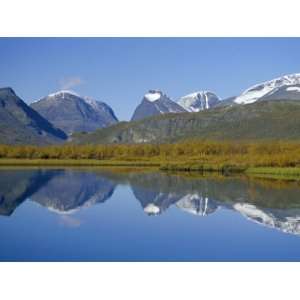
(70, 82)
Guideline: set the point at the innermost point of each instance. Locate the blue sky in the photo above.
(120, 70)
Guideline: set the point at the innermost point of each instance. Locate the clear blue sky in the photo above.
(120, 70)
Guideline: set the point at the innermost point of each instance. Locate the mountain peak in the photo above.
(73, 113)
(155, 102)
(198, 101)
(7, 91)
(153, 95)
(62, 93)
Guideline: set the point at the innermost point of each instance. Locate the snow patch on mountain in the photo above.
(196, 204)
(271, 218)
(198, 101)
(62, 93)
(293, 88)
(152, 209)
(251, 211)
(153, 96)
(94, 103)
(257, 91)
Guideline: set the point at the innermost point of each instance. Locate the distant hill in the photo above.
(73, 113)
(20, 124)
(260, 120)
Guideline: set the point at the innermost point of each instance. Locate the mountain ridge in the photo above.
(63, 114)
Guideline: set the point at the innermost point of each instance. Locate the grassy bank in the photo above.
(74, 162)
(199, 167)
(275, 173)
(265, 159)
(262, 172)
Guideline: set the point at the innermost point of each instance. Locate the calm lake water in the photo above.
(109, 215)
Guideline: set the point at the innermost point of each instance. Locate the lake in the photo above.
(134, 215)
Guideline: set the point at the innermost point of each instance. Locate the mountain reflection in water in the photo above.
(275, 204)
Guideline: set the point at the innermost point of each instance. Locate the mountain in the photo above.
(157, 192)
(204, 195)
(20, 124)
(71, 190)
(266, 90)
(61, 191)
(197, 204)
(261, 120)
(199, 101)
(287, 92)
(154, 202)
(18, 185)
(274, 203)
(155, 103)
(71, 112)
(284, 220)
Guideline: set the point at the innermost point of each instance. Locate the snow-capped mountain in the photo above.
(284, 220)
(71, 112)
(154, 202)
(199, 101)
(155, 103)
(270, 88)
(68, 191)
(196, 204)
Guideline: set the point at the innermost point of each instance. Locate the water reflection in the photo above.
(69, 191)
(274, 204)
(17, 185)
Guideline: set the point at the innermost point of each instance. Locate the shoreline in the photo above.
(73, 162)
(287, 173)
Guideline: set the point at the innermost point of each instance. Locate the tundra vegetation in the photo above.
(263, 158)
